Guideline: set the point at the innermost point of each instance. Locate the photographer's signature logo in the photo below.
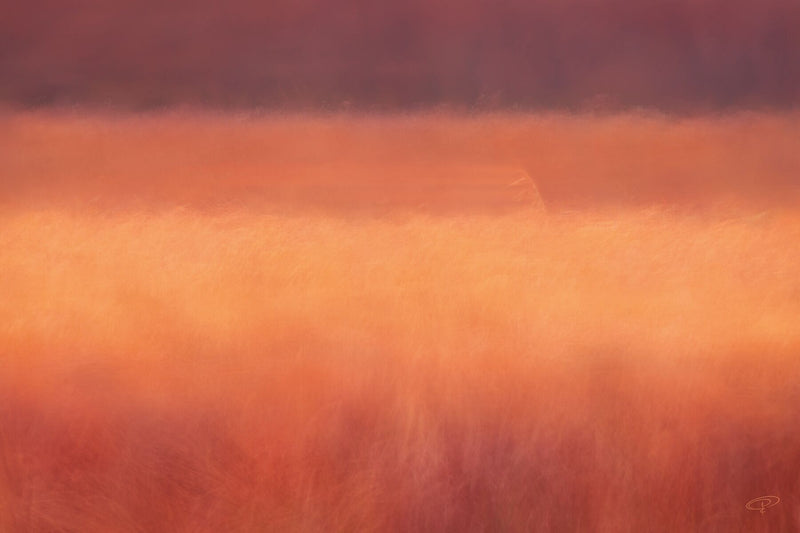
(762, 503)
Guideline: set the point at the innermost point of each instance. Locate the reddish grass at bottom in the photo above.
(177, 371)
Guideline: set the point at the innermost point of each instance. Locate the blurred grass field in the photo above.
(611, 363)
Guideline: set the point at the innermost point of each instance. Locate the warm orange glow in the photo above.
(214, 160)
(199, 358)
